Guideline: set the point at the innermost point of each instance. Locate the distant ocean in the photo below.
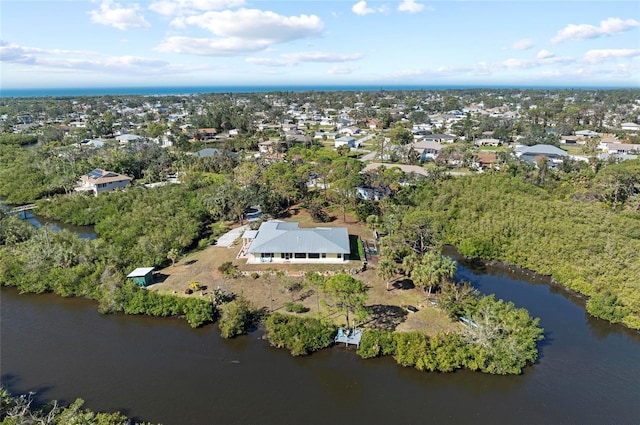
(188, 90)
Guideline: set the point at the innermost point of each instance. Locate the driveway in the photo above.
(229, 238)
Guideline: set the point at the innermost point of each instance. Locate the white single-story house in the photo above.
(531, 153)
(285, 242)
(352, 142)
(99, 181)
(586, 133)
(621, 148)
(629, 126)
(440, 138)
(487, 142)
(427, 150)
(128, 138)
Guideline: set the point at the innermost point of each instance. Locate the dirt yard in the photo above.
(271, 290)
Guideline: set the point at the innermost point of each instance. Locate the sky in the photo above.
(121, 43)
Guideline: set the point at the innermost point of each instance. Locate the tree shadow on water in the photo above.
(547, 341)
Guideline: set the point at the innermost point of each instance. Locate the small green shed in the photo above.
(142, 276)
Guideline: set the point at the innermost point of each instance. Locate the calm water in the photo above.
(160, 370)
(83, 232)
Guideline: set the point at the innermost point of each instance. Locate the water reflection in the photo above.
(83, 232)
(160, 370)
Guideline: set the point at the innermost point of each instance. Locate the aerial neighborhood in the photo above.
(329, 217)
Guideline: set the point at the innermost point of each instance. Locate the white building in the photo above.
(98, 181)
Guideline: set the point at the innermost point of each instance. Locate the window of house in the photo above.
(300, 255)
(314, 255)
(323, 255)
(339, 255)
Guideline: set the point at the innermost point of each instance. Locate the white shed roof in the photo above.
(140, 271)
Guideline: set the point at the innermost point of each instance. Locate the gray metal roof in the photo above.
(274, 236)
(544, 150)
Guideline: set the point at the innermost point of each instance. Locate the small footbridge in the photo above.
(22, 209)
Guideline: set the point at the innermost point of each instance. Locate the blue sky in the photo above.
(103, 43)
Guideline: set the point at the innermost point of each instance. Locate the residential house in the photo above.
(629, 126)
(285, 242)
(128, 138)
(352, 142)
(426, 150)
(207, 133)
(621, 148)
(532, 153)
(408, 169)
(350, 131)
(586, 133)
(99, 181)
(487, 142)
(440, 138)
(484, 160)
(207, 152)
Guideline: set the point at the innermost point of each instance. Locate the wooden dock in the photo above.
(349, 336)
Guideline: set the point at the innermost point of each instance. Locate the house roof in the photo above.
(128, 137)
(543, 150)
(279, 236)
(373, 166)
(213, 152)
(425, 144)
(440, 136)
(141, 271)
(98, 175)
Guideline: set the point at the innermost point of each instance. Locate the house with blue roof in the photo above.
(285, 242)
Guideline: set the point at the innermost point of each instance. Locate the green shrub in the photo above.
(295, 307)
(228, 270)
(300, 335)
(375, 343)
(235, 317)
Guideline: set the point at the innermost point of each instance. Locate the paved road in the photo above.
(369, 157)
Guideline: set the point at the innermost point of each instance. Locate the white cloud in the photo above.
(322, 57)
(544, 54)
(10, 52)
(254, 24)
(609, 26)
(292, 59)
(181, 7)
(361, 8)
(410, 6)
(524, 44)
(240, 31)
(341, 70)
(544, 57)
(597, 56)
(43, 60)
(229, 46)
(115, 15)
(268, 62)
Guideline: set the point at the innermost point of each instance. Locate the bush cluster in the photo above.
(300, 335)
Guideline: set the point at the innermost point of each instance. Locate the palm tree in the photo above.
(409, 264)
(387, 270)
(433, 270)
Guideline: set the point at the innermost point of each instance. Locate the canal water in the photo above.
(83, 232)
(160, 370)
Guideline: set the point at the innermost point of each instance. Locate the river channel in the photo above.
(160, 370)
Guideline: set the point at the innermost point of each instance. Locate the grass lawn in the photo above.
(269, 289)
